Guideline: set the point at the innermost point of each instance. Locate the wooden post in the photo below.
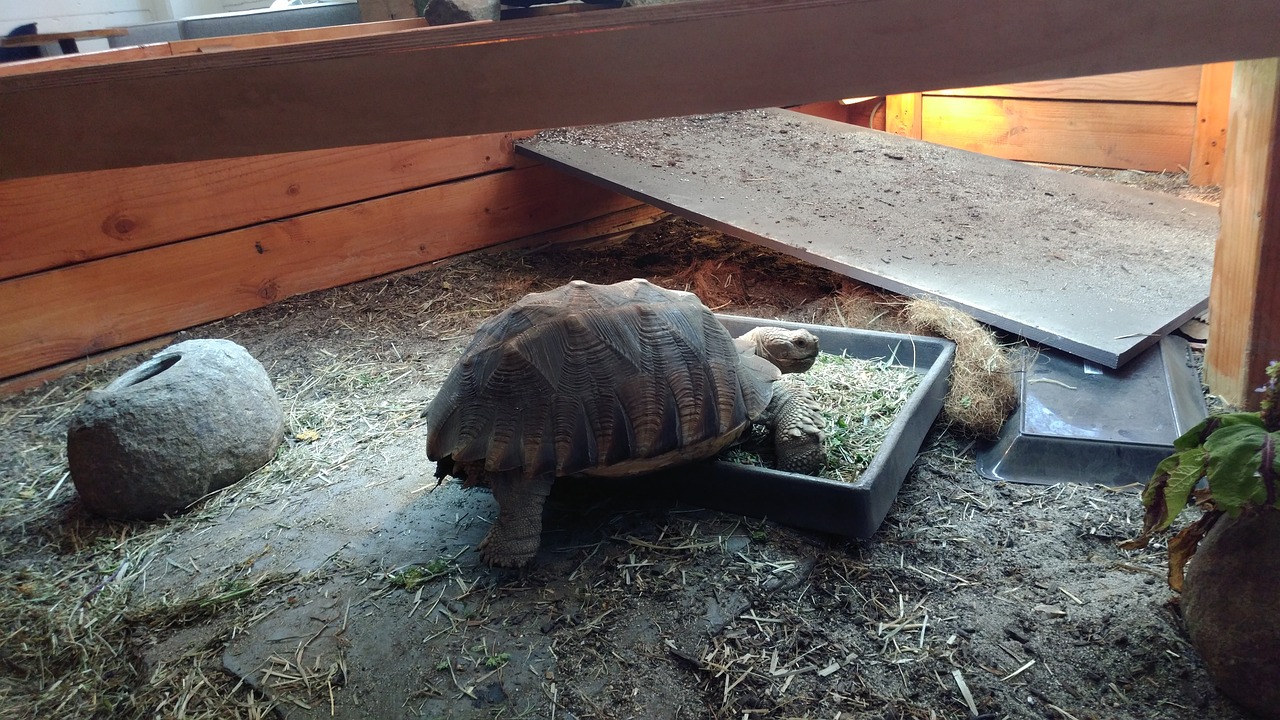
(1209, 143)
(902, 115)
(1244, 301)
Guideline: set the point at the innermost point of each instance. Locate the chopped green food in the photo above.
(412, 576)
(860, 399)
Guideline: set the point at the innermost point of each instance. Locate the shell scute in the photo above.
(589, 376)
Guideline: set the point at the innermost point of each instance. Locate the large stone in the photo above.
(1229, 602)
(195, 418)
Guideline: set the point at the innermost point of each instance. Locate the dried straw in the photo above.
(860, 400)
(983, 391)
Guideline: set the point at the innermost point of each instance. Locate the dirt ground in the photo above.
(342, 581)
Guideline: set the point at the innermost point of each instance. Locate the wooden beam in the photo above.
(1209, 144)
(1145, 136)
(1244, 302)
(58, 220)
(625, 64)
(208, 45)
(59, 315)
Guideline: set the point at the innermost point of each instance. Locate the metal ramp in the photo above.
(1093, 268)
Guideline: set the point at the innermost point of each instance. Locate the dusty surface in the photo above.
(1095, 269)
(293, 581)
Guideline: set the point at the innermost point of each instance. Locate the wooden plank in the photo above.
(35, 378)
(61, 62)
(47, 38)
(613, 225)
(491, 77)
(62, 314)
(902, 114)
(1209, 143)
(1165, 85)
(206, 45)
(1133, 136)
(58, 220)
(1244, 302)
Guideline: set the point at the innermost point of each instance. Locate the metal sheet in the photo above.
(1094, 268)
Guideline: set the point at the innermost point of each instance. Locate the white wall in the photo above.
(67, 15)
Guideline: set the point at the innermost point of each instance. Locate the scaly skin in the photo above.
(516, 533)
(796, 423)
(792, 351)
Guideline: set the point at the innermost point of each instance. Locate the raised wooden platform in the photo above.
(1093, 268)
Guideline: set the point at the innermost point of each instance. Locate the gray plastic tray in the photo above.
(1084, 424)
(853, 509)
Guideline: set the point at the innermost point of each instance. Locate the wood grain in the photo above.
(903, 114)
(452, 80)
(1244, 301)
(58, 220)
(89, 59)
(1133, 136)
(1209, 143)
(1165, 85)
(59, 315)
(207, 45)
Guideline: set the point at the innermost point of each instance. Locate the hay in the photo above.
(860, 400)
(73, 594)
(983, 391)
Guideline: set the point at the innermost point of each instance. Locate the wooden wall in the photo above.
(92, 261)
(96, 260)
(106, 291)
(1173, 119)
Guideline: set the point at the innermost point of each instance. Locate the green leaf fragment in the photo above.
(1235, 458)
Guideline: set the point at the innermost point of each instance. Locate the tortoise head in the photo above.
(791, 351)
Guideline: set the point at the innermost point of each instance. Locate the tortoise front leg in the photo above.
(517, 532)
(796, 422)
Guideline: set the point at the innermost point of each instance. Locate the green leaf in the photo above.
(1167, 493)
(1181, 471)
(1235, 458)
(1200, 434)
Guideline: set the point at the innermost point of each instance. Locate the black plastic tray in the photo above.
(853, 509)
(1080, 423)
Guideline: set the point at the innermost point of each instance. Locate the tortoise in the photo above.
(610, 381)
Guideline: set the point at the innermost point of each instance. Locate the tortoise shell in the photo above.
(597, 379)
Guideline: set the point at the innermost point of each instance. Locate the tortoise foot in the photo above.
(501, 549)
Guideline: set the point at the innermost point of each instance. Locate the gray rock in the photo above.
(448, 12)
(195, 418)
